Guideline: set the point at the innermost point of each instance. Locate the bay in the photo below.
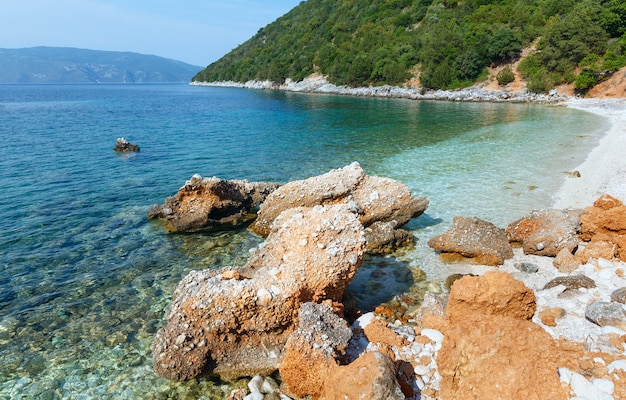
(86, 279)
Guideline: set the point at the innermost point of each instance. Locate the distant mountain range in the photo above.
(70, 65)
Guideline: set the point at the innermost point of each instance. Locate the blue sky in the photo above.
(194, 31)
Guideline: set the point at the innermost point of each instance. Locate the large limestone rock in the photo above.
(474, 239)
(603, 225)
(236, 323)
(546, 232)
(206, 204)
(374, 198)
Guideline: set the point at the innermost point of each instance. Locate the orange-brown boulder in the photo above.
(494, 293)
(206, 204)
(473, 239)
(372, 376)
(605, 221)
(546, 232)
(491, 348)
(236, 328)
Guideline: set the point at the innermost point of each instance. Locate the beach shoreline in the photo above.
(604, 169)
(602, 172)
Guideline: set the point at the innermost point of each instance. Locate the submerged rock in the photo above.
(234, 328)
(475, 239)
(375, 199)
(206, 204)
(124, 146)
(546, 232)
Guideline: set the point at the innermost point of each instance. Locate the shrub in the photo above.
(539, 82)
(586, 80)
(505, 76)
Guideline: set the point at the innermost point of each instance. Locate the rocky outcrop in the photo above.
(546, 232)
(375, 199)
(474, 239)
(603, 226)
(206, 204)
(124, 146)
(236, 324)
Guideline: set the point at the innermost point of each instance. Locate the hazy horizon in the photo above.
(195, 33)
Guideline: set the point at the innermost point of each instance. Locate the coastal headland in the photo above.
(531, 326)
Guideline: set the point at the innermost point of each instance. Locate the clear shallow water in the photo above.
(85, 279)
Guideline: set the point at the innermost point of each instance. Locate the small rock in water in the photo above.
(453, 278)
(606, 313)
(619, 295)
(125, 146)
(527, 267)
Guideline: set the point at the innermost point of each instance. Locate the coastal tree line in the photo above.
(448, 43)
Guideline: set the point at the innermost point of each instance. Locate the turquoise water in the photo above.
(85, 279)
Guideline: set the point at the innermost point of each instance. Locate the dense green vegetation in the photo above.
(450, 43)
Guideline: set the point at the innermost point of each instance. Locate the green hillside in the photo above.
(449, 43)
(70, 65)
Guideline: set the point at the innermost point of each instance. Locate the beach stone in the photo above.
(565, 261)
(384, 237)
(312, 350)
(605, 221)
(371, 376)
(527, 267)
(124, 146)
(619, 295)
(373, 198)
(206, 204)
(571, 282)
(243, 332)
(494, 293)
(597, 249)
(473, 239)
(606, 313)
(546, 232)
(549, 315)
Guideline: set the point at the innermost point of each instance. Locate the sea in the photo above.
(86, 279)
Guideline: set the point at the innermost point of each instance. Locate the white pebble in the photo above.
(254, 396)
(604, 385)
(618, 364)
(363, 320)
(422, 370)
(433, 335)
(255, 384)
(565, 375)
